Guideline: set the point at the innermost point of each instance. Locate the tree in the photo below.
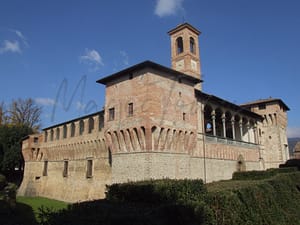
(25, 112)
(3, 114)
(11, 148)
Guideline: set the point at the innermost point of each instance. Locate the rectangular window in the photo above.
(35, 139)
(183, 116)
(65, 172)
(111, 115)
(262, 106)
(89, 169)
(45, 170)
(130, 109)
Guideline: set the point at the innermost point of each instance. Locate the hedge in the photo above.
(259, 175)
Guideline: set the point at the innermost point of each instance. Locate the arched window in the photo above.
(51, 135)
(65, 129)
(81, 127)
(46, 136)
(91, 124)
(72, 129)
(57, 133)
(101, 121)
(179, 45)
(192, 45)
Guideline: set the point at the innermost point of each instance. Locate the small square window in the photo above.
(111, 115)
(130, 109)
(262, 106)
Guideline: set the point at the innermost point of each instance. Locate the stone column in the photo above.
(224, 124)
(241, 129)
(213, 118)
(233, 128)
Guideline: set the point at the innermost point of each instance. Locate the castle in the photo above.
(157, 123)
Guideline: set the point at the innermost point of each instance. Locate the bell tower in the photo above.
(185, 50)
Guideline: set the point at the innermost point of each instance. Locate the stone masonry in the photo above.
(156, 123)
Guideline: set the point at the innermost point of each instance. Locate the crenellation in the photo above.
(156, 123)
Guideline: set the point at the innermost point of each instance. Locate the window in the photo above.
(91, 124)
(65, 171)
(36, 140)
(51, 135)
(192, 45)
(46, 136)
(89, 169)
(130, 109)
(72, 129)
(57, 133)
(262, 106)
(179, 44)
(111, 115)
(81, 127)
(101, 121)
(65, 130)
(45, 170)
(183, 116)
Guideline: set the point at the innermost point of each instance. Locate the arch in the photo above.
(81, 127)
(65, 130)
(228, 121)
(192, 45)
(241, 165)
(179, 45)
(219, 123)
(101, 121)
(51, 135)
(72, 129)
(208, 124)
(91, 125)
(57, 133)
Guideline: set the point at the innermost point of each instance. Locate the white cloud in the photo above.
(168, 7)
(293, 132)
(45, 101)
(10, 46)
(92, 57)
(21, 36)
(125, 58)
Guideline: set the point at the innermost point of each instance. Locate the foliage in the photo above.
(259, 175)
(22, 112)
(272, 201)
(157, 191)
(10, 141)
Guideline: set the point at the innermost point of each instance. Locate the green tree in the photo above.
(11, 141)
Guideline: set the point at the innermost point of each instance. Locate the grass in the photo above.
(26, 210)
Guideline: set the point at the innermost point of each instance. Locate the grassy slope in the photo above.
(26, 211)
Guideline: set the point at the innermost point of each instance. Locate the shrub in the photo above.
(157, 191)
(259, 175)
(291, 163)
(2, 182)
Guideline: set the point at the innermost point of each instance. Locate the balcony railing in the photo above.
(227, 141)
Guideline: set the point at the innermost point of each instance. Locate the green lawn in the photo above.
(36, 202)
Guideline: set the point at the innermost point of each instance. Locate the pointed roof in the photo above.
(182, 26)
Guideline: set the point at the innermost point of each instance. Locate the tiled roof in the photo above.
(267, 100)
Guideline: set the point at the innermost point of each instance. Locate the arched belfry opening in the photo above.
(192, 45)
(185, 55)
(179, 44)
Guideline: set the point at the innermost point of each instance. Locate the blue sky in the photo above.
(56, 50)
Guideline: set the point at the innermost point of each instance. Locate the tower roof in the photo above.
(268, 100)
(182, 26)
